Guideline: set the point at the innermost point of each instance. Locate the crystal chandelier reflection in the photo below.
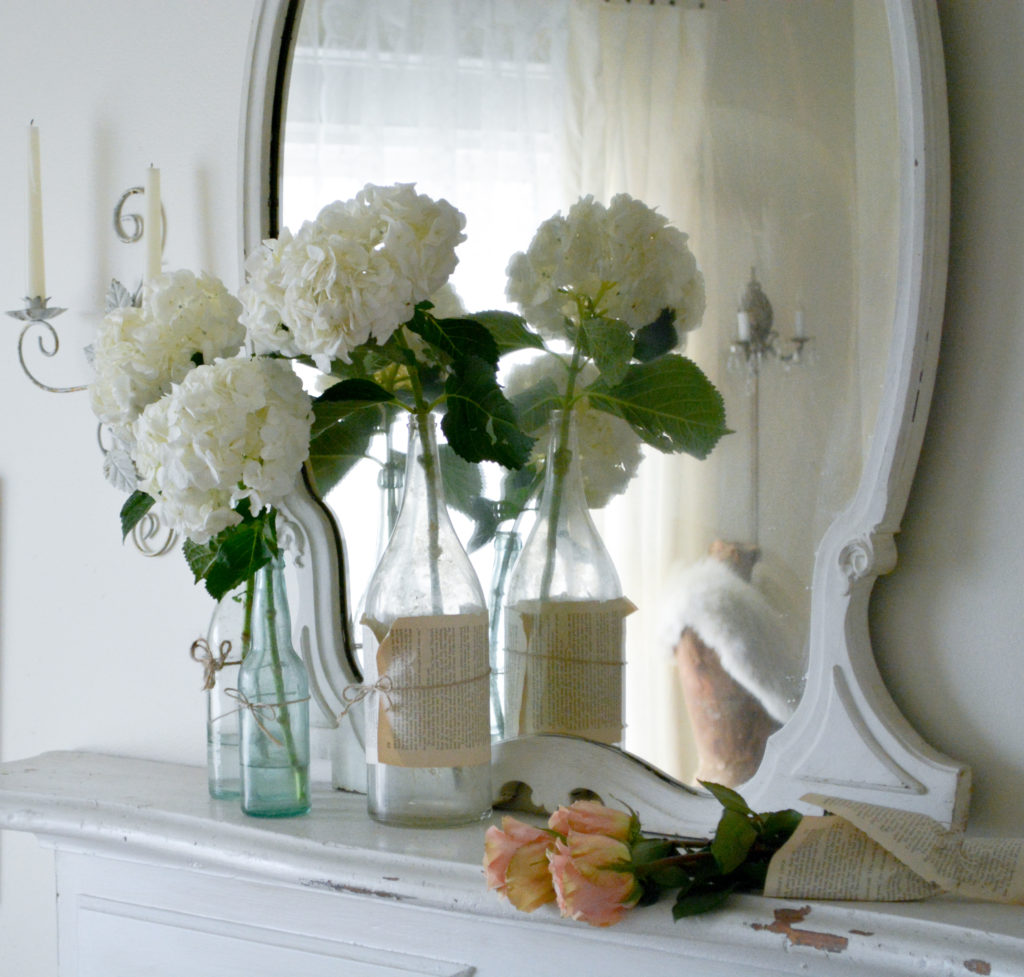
(757, 340)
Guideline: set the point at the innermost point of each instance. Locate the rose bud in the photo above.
(592, 879)
(516, 863)
(589, 817)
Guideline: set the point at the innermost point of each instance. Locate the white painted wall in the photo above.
(94, 638)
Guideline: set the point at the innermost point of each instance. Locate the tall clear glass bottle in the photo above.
(274, 693)
(564, 612)
(425, 658)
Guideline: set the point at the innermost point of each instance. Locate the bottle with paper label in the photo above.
(564, 612)
(425, 661)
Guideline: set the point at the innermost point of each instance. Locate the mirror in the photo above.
(805, 143)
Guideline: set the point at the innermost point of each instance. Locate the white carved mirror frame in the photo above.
(847, 737)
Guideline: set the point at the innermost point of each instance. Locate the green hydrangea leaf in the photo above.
(733, 840)
(480, 423)
(535, 404)
(199, 557)
(656, 338)
(508, 330)
(463, 482)
(345, 418)
(487, 516)
(335, 448)
(350, 394)
(456, 338)
(135, 507)
(669, 402)
(610, 343)
(233, 555)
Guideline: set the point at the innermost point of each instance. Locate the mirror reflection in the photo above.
(767, 132)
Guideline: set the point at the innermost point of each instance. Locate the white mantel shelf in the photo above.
(149, 868)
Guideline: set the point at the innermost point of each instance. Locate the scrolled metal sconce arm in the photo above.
(149, 536)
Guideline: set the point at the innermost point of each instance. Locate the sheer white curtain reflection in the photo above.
(511, 110)
(457, 96)
(635, 117)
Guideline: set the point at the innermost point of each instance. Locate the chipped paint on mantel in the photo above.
(141, 847)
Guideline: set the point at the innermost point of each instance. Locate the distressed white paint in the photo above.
(156, 878)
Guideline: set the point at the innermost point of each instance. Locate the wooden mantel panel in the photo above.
(150, 868)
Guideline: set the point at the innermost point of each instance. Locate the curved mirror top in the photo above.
(767, 132)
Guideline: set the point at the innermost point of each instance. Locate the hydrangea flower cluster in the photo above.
(139, 352)
(610, 451)
(626, 258)
(353, 274)
(231, 430)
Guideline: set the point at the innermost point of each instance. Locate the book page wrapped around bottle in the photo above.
(564, 667)
(432, 692)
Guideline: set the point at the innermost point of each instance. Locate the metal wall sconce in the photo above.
(757, 339)
(149, 537)
(38, 313)
(757, 342)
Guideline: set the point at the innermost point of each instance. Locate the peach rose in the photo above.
(516, 863)
(591, 878)
(591, 818)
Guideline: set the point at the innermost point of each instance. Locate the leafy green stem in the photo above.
(427, 458)
(282, 711)
(250, 593)
(561, 460)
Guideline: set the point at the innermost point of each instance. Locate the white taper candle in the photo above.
(153, 226)
(36, 261)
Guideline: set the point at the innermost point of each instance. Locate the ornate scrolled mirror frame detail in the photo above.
(847, 737)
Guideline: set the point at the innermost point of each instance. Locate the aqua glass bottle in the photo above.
(227, 640)
(564, 612)
(425, 661)
(274, 695)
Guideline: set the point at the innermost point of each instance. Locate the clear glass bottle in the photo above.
(564, 612)
(227, 640)
(274, 695)
(425, 657)
(507, 545)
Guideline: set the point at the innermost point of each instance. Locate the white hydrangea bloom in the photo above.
(139, 353)
(626, 257)
(232, 430)
(353, 274)
(610, 450)
(448, 303)
(263, 298)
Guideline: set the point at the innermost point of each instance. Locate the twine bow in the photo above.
(353, 694)
(259, 710)
(356, 693)
(212, 663)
